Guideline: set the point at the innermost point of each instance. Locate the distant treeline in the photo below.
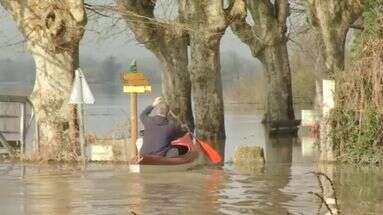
(243, 81)
(108, 70)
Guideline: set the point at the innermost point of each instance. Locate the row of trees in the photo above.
(188, 48)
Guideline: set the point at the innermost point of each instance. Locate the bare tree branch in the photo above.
(76, 8)
(94, 10)
(236, 10)
(282, 10)
(245, 33)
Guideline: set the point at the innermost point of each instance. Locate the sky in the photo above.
(100, 41)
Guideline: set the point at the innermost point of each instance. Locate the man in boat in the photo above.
(159, 131)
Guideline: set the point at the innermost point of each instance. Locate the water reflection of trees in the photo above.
(175, 193)
(260, 191)
(360, 190)
(47, 190)
(57, 189)
(278, 155)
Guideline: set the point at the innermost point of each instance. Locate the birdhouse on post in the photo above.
(133, 83)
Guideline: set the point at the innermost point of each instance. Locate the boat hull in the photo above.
(153, 163)
(139, 168)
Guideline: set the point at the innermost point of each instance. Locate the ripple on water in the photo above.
(280, 188)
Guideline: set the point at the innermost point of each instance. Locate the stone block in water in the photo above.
(249, 156)
(100, 152)
(110, 150)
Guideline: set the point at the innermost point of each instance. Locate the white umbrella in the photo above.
(81, 94)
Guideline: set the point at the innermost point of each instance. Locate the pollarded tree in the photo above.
(333, 19)
(208, 21)
(169, 43)
(267, 40)
(52, 30)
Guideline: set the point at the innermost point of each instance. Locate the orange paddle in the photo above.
(212, 154)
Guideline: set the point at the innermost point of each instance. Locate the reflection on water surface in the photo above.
(110, 189)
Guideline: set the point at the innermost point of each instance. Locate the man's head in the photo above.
(161, 109)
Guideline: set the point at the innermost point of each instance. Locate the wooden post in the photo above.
(133, 83)
(133, 121)
(22, 127)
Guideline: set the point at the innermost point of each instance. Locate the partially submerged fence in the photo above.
(16, 117)
(106, 126)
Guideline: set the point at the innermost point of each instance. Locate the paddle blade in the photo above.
(212, 154)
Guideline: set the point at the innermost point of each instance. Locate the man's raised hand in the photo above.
(157, 101)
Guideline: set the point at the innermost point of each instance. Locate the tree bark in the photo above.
(279, 101)
(50, 97)
(333, 19)
(208, 21)
(207, 91)
(267, 42)
(176, 86)
(53, 31)
(169, 43)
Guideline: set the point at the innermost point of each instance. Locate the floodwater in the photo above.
(281, 187)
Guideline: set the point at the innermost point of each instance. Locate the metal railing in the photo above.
(22, 102)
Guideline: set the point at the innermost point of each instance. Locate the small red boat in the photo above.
(187, 159)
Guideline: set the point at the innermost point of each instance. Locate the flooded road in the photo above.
(281, 187)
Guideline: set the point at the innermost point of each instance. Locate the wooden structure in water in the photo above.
(18, 104)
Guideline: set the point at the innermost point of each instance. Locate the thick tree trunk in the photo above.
(288, 82)
(333, 19)
(176, 84)
(267, 41)
(53, 30)
(334, 52)
(208, 20)
(56, 118)
(279, 105)
(207, 91)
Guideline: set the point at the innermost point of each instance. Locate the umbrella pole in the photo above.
(80, 112)
(81, 130)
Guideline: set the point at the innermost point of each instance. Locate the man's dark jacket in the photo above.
(158, 134)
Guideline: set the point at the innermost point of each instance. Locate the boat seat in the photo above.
(181, 149)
